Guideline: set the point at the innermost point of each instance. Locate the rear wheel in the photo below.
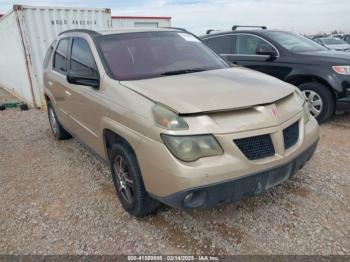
(128, 182)
(321, 100)
(57, 129)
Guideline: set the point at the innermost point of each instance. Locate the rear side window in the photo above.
(49, 54)
(222, 44)
(61, 56)
(82, 60)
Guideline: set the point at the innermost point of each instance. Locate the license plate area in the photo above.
(279, 176)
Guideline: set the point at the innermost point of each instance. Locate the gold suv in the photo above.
(175, 122)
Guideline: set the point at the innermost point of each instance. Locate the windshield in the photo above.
(294, 42)
(334, 41)
(141, 55)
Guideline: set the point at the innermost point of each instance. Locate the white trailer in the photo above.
(25, 34)
(141, 21)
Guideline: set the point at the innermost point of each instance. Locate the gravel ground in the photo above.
(57, 198)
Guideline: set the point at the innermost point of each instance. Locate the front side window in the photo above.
(222, 44)
(61, 56)
(82, 60)
(131, 56)
(248, 44)
(294, 42)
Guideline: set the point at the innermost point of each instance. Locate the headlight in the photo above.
(167, 119)
(305, 103)
(300, 95)
(306, 109)
(342, 70)
(192, 148)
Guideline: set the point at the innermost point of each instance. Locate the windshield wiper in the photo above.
(183, 71)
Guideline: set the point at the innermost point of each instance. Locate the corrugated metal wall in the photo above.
(42, 25)
(13, 70)
(37, 27)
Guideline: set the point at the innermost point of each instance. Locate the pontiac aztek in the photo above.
(175, 122)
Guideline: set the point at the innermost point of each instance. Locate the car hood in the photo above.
(214, 90)
(327, 57)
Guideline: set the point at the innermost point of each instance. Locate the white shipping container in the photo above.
(141, 21)
(25, 35)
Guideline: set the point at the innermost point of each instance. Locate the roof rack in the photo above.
(211, 30)
(248, 26)
(87, 31)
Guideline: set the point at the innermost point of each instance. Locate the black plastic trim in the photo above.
(234, 190)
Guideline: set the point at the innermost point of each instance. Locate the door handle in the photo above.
(67, 93)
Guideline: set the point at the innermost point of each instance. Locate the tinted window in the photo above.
(82, 60)
(222, 44)
(247, 44)
(49, 54)
(61, 54)
(131, 56)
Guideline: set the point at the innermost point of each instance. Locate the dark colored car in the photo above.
(323, 75)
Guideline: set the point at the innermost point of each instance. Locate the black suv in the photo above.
(323, 75)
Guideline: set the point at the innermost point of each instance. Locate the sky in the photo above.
(301, 16)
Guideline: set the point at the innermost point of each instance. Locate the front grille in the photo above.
(256, 147)
(291, 135)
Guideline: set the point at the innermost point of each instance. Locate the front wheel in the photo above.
(321, 100)
(128, 182)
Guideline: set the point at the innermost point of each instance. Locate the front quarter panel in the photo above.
(322, 72)
(128, 114)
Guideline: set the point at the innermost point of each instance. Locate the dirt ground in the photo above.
(57, 198)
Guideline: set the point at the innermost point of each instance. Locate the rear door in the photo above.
(55, 80)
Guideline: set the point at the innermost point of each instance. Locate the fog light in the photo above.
(195, 199)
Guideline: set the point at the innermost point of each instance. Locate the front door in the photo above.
(84, 107)
(246, 55)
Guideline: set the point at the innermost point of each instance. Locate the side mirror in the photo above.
(84, 77)
(266, 50)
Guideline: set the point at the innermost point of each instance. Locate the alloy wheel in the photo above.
(53, 121)
(125, 182)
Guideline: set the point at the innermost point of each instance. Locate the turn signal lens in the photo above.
(167, 119)
(307, 113)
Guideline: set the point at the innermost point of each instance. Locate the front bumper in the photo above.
(164, 175)
(234, 190)
(343, 104)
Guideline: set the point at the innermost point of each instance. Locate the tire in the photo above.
(322, 104)
(57, 129)
(140, 204)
